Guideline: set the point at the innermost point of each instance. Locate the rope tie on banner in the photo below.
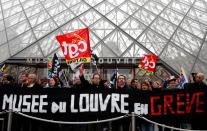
(74, 123)
(98, 121)
(4, 112)
(163, 125)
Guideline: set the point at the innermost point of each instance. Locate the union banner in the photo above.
(76, 46)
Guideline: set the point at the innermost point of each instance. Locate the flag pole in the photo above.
(97, 68)
(69, 72)
(91, 70)
(116, 74)
(47, 68)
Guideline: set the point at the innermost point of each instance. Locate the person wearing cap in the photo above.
(172, 83)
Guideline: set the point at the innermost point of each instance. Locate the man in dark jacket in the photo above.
(32, 82)
(23, 79)
(125, 122)
(95, 82)
(198, 83)
(121, 83)
(78, 84)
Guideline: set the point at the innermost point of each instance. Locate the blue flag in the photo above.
(182, 79)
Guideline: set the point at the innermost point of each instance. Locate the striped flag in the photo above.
(55, 66)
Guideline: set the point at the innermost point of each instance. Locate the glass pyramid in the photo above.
(175, 30)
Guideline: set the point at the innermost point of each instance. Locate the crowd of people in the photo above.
(31, 80)
(122, 83)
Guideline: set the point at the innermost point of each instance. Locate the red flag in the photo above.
(76, 46)
(148, 62)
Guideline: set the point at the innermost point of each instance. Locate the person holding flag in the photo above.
(96, 80)
(76, 48)
(55, 72)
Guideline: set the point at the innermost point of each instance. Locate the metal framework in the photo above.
(175, 30)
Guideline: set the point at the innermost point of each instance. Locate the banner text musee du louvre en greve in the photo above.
(102, 104)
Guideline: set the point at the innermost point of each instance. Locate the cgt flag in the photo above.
(76, 46)
(148, 62)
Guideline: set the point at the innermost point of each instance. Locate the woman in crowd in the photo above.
(53, 83)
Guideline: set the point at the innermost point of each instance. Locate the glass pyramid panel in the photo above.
(144, 16)
(38, 18)
(118, 42)
(105, 50)
(72, 25)
(140, 2)
(201, 5)
(4, 49)
(29, 3)
(1, 17)
(93, 39)
(187, 42)
(180, 6)
(163, 27)
(14, 19)
(177, 58)
(133, 27)
(3, 38)
(200, 67)
(175, 30)
(93, 2)
(48, 45)
(129, 7)
(56, 9)
(199, 15)
(102, 28)
(135, 51)
(172, 16)
(154, 7)
(44, 28)
(117, 16)
(10, 10)
(90, 17)
(163, 2)
(71, 3)
(105, 7)
(196, 28)
(17, 29)
(31, 51)
(203, 52)
(21, 42)
(152, 41)
(63, 17)
(116, 2)
(79, 8)
(35, 9)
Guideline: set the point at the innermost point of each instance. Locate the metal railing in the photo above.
(132, 115)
